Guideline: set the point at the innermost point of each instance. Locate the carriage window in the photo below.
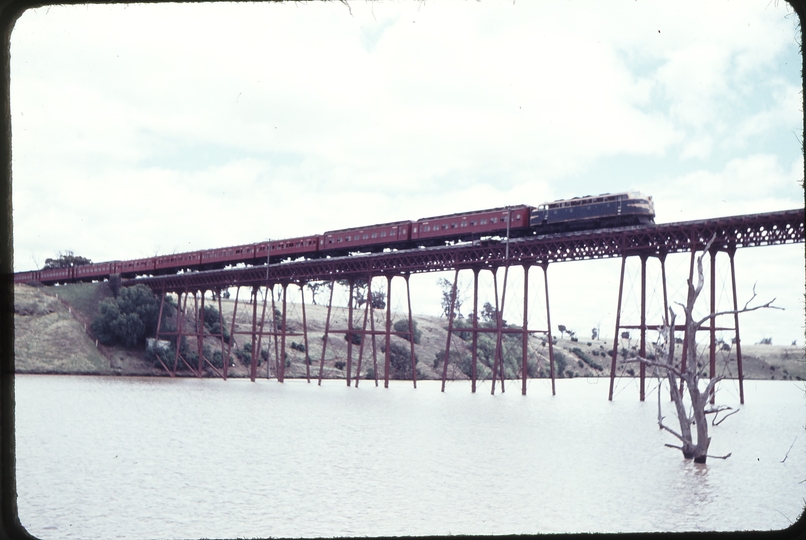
(453, 225)
(472, 223)
(463, 224)
(493, 220)
(517, 216)
(374, 235)
(444, 226)
(484, 221)
(365, 236)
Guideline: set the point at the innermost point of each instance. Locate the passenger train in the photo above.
(579, 213)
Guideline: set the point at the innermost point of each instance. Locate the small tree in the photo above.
(402, 326)
(489, 313)
(562, 330)
(692, 447)
(378, 299)
(66, 260)
(450, 296)
(315, 286)
(114, 284)
(359, 297)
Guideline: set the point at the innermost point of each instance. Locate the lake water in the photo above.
(113, 457)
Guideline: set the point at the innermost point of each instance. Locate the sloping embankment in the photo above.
(50, 335)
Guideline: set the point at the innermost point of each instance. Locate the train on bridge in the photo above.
(579, 213)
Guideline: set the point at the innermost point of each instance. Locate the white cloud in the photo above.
(757, 183)
(169, 127)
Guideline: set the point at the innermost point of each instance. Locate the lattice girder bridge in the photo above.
(644, 241)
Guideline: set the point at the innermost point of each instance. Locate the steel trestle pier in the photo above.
(644, 241)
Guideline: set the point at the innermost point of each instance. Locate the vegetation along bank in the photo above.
(89, 329)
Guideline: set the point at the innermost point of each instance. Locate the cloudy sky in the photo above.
(150, 129)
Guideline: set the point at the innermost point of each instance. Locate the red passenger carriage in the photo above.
(94, 271)
(371, 238)
(26, 277)
(168, 264)
(55, 275)
(222, 257)
(472, 225)
(293, 247)
(137, 267)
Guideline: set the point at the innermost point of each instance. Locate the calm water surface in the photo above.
(102, 457)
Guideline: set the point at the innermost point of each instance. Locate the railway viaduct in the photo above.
(644, 242)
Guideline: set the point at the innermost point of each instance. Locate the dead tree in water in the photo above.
(692, 447)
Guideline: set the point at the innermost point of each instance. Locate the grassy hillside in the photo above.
(49, 338)
(52, 335)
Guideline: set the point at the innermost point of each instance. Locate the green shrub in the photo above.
(584, 358)
(217, 360)
(460, 325)
(402, 327)
(460, 359)
(212, 323)
(560, 361)
(399, 360)
(245, 355)
(128, 319)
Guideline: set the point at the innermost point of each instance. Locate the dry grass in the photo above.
(51, 336)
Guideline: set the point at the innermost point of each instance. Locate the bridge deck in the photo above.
(651, 240)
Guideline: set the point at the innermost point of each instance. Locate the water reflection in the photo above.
(696, 487)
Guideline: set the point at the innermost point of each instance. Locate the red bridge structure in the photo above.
(642, 241)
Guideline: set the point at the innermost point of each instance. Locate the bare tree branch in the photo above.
(709, 389)
(673, 432)
(716, 414)
(790, 449)
(718, 409)
(653, 363)
(726, 456)
(746, 309)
